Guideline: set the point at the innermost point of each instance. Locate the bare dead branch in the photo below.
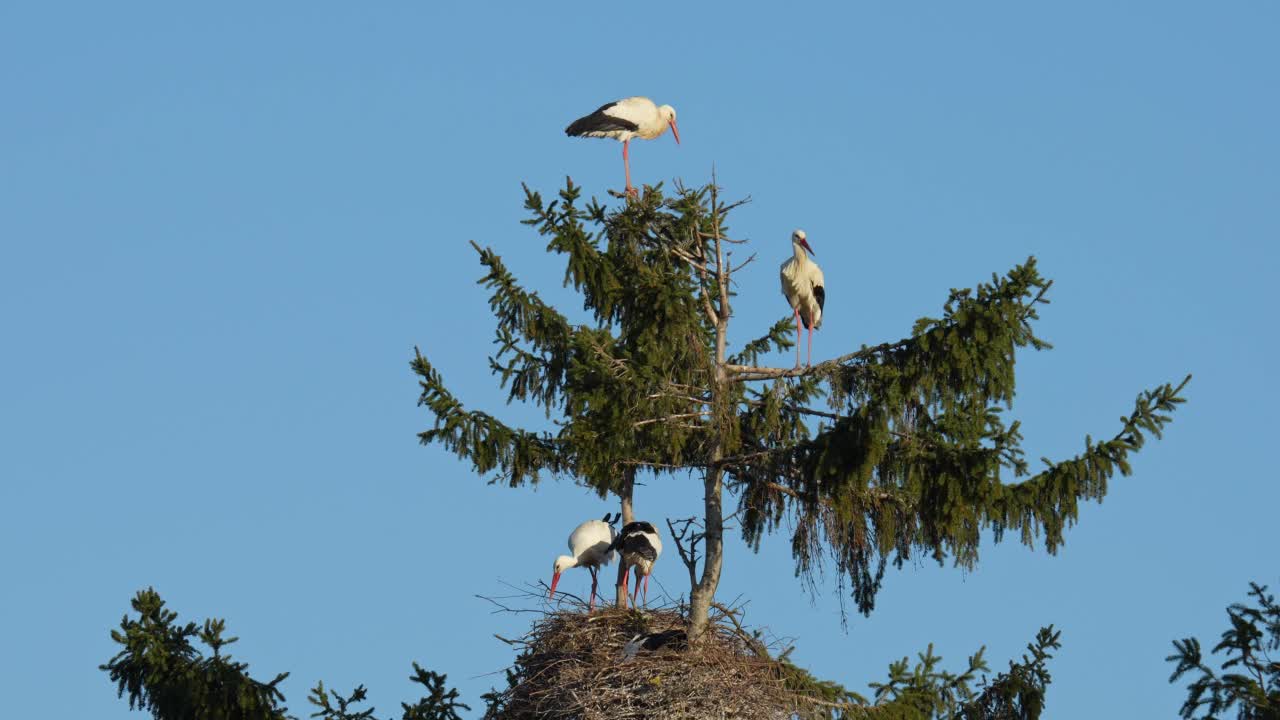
(745, 263)
(668, 418)
(689, 555)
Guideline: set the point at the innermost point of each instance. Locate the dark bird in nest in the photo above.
(674, 639)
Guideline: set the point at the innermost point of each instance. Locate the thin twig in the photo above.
(710, 236)
(745, 263)
(679, 416)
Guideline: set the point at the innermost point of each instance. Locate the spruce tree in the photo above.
(1249, 683)
(164, 673)
(885, 451)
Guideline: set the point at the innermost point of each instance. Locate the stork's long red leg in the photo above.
(809, 356)
(592, 604)
(798, 335)
(626, 164)
(646, 589)
(636, 589)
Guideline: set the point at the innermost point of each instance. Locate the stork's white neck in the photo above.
(564, 562)
(801, 255)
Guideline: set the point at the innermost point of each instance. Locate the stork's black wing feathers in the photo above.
(654, 641)
(633, 531)
(639, 526)
(820, 295)
(637, 544)
(599, 121)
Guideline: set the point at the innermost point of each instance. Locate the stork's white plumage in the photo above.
(626, 119)
(591, 545)
(640, 547)
(803, 288)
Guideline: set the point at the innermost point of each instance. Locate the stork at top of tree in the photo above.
(803, 288)
(625, 119)
(640, 546)
(591, 545)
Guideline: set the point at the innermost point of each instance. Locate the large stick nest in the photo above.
(573, 665)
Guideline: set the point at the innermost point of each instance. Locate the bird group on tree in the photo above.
(871, 458)
(906, 457)
(593, 545)
(802, 286)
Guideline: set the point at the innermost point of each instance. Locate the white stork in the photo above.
(640, 547)
(625, 119)
(592, 546)
(802, 287)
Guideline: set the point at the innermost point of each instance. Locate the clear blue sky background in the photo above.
(224, 230)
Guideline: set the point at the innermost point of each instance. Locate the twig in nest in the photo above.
(749, 639)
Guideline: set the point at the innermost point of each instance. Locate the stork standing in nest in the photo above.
(625, 119)
(803, 289)
(592, 546)
(640, 547)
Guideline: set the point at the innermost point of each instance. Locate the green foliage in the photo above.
(650, 337)
(887, 451)
(1018, 694)
(163, 673)
(924, 690)
(1253, 686)
(334, 706)
(440, 702)
(912, 457)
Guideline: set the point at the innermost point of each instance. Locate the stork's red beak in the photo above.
(805, 244)
(675, 132)
(555, 579)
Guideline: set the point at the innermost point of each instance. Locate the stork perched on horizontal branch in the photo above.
(626, 119)
(802, 285)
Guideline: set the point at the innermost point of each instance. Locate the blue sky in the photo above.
(223, 231)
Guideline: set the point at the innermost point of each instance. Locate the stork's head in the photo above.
(668, 115)
(799, 238)
(563, 563)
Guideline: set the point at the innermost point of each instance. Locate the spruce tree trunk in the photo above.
(700, 597)
(628, 516)
(713, 557)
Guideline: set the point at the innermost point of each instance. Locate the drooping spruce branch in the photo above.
(910, 456)
(518, 455)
